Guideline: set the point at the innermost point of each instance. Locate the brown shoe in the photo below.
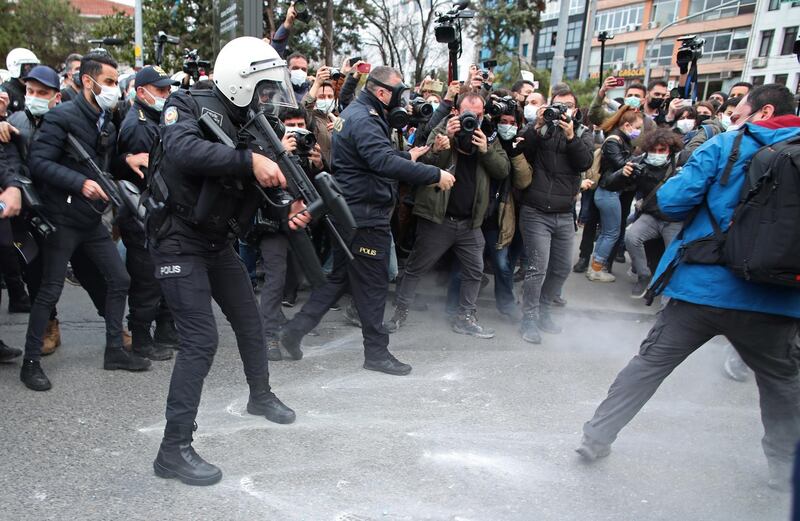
(127, 340)
(52, 338)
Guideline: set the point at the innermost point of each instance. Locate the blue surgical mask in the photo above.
(37, 106)
(507, 132)
(633, 102)
(656, 159)
(435, 105)
(531, 112)
(324, 105)
(158, 102)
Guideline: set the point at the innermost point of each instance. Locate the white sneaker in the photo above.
(600, 276)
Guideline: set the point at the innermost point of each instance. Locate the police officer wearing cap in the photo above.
(203, 186)
(368, 168)
(137, 135)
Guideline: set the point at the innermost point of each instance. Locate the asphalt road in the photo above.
(480, 430)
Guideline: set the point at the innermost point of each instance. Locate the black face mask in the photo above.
(655, 103)
(702, 118)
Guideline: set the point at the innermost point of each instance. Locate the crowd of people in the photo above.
(471, 178)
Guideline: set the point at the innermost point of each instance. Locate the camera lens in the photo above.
(469, 122)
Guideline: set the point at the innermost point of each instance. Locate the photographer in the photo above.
(646, 175)
(280, 39)
(440, 112)
(298, 72)
(557, 148)
(320, 102)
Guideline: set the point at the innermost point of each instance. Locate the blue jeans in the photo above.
(249, 256)
(503, 263)
(608, 205)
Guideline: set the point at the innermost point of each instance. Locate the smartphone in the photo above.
(363, 68)
(620, 82)
(355, 59)
(489, 64)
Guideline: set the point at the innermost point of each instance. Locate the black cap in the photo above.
(154, 75)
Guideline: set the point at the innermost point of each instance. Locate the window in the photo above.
(774, 5)
(743, 7)
(547, 39)
(661, 55)
(766, 42)
(725, 45)
(525, 50)
(789, 36)
(664, 11)
(574, 34)
(571, 68)
(618, 20)
(781, 79)
(553, 9)
(546, 63)
(616, 57)
(757, 80)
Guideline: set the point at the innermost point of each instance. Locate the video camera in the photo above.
(499, 106)
(448, 28)
(160, 40)
(192, 64)
(691, 50)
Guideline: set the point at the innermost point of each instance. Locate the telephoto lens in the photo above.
(469, 122)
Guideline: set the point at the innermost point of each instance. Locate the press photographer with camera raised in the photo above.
(646, 174)
(453, 219)
(320, 102)
(368, 168)
(555, 151)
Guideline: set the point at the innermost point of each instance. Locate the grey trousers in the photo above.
(433, 240)
(767, 344)
(643, 229)
(274, 251)
(549, 239)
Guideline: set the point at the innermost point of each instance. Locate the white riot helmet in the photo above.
(248, 70)
(17, 59)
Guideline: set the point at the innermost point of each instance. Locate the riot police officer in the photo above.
(19, 63)
(137, 135)
(202, 185)
(368, 168)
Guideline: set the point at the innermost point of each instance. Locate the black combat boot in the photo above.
(166, 336)
(118, 358)
(143, 345)
(389, 365)
(263, 402)
(291, 342)
(33, 377)
(177, 458)
(8, 353)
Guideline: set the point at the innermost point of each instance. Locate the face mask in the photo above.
(655, 103)
(435, 105)
(656, 159)
(633, 134)
(131, 95)
(158, 103)
(37, 106)
(299, 77)
(108, 97)
(685, 125)
(633, 102)
(324, 105)
(530, 113)
(702, 118)
(507, 132)
(725, 121)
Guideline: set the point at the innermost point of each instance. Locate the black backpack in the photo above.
(762, 243)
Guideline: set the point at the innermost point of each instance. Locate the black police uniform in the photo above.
(16, 94)
(138, 133)
(367, 168)
(194, 257)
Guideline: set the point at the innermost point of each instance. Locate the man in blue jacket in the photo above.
(760, 320)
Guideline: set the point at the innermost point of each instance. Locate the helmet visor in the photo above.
(270, 95)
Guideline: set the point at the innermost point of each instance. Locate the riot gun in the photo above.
(104, 179)
(33, 203)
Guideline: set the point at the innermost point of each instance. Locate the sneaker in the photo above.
(582, 265)
(274, 350)
(735, 368)
(467, 324)
(600, 275)
(640, 287)
(33, 376)
(398, 319)
(289, 302)
(529, 330)
(591, 450)
(8, 353)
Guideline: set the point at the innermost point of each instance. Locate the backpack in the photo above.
(594, 173)
(762, 243)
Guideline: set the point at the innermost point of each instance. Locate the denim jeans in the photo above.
(608, 205)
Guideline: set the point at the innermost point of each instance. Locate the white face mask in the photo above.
(507, 132)
(108, 97)
(725, 121)
(656, 159)
(324, 105)
(685, 125)
(299, 77)
(158, 102)
(530, 112)
(435, 105)
(37, 106)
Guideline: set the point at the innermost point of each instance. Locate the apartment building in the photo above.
(770, 57)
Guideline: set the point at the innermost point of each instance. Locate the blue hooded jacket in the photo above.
(709, 285)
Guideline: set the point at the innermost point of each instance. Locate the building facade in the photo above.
(770, 57)
(538, 49)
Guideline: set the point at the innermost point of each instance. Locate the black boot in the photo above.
(143, 345)
(291, 342)
(166, 336)
(582, 265)
(263, 402)
(33, 377)
(18, 299)
(8, 353)
(177, 458)
(118, 358)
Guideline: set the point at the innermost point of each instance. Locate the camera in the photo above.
(192, 64)
(448, 25)
(690, 51)
(336, 74)
(469, 122)
(301, 8)
(554, 112)
(421, 110)
(638, 170)
(506, 105)
(305, 140)
(484, 74)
